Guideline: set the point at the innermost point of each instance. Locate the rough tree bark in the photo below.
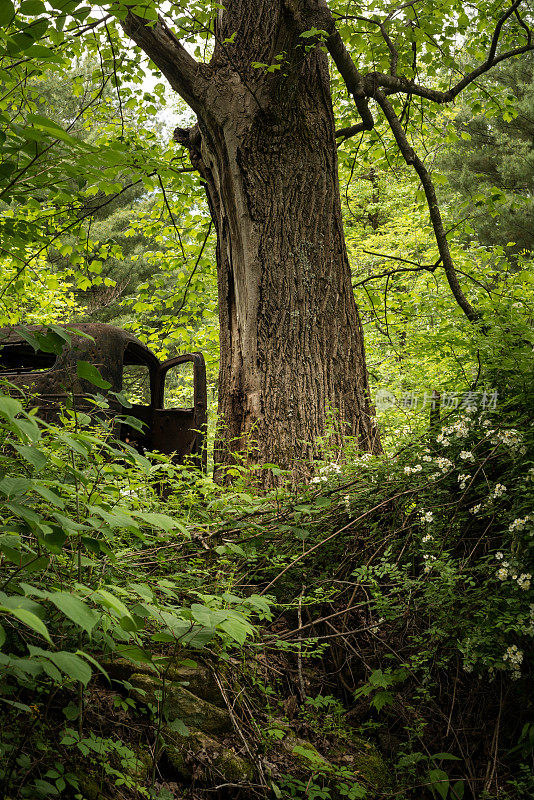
(291, 338)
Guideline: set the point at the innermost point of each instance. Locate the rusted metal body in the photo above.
(51, 379)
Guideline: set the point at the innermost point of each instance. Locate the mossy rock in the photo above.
(186, 753)
(199, 680)
(360, 762)
(144, 764)
(304, 752)
(90, 788)
(371, 766)
(182, 704)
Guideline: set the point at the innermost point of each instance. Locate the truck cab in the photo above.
(168, 397)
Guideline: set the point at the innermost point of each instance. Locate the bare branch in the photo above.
(415, 268)
(352, 130)
(383, 30)
(411, 158)
(350, 74)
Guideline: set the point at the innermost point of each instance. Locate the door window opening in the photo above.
(179, 389)
(136, 378)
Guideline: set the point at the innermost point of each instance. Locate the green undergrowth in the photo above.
(370, 631)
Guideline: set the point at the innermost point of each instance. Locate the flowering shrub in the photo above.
(440, 555)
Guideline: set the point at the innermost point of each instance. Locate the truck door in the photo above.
(180, 413)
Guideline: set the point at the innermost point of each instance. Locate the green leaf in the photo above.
(9, 407)
(89, 372)
(113, 603)
(179, 727)
(71, 711)
(7, 12)
(74, 444)
(382, 699)
(32, 7)
(14, 487)
(439, 782)
(445, 757)
(36, 565)
(29, 619)
(49, 495)
(54, 540)
(201, 614)
(237, 629)
(276, 790)
(72, 665)
(32, 455)
(75, 609)
(20, 706)
(134, 653)
(157, 520)
(2, 635)
(312, 32)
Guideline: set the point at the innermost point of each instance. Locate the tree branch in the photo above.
(170, 56)
(396, 83)
(411, 158)
(353, 78)
(415, 268)
(352, 130)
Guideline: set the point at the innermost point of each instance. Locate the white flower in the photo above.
(513, 655)
(328, 468)
(427, 538)
(467, 455)
(518, 524)
(512, 439)
(524, 581)
(499, 556)
(443, 464)
(476, 508)
(429, 562)
(410, 470)
(443, 440)
(427, 516)
(462, 480)
(502, 573)
(319, 479)
(460, 428)
(498, 490)
(427, 458)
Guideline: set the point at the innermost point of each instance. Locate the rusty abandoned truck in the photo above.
(51, 378)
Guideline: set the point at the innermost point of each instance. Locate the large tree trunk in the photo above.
(291, 340)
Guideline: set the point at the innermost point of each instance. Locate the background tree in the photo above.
(493, 156)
